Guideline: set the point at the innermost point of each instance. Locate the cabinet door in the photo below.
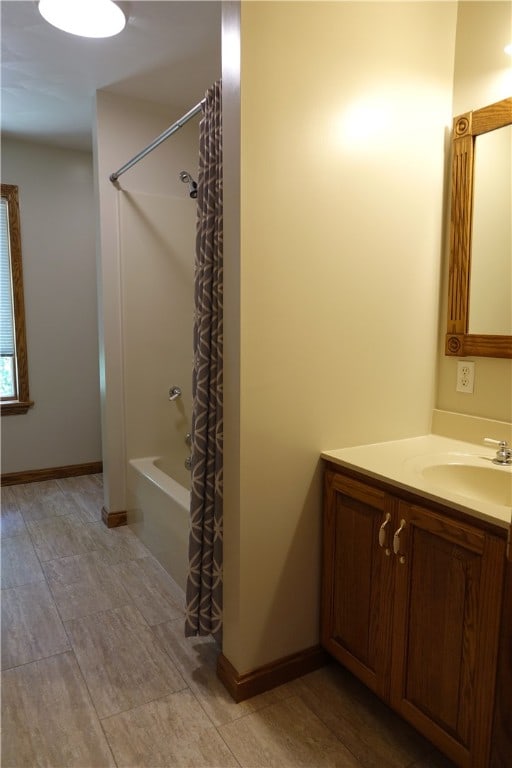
(448, 583)
(357, 590)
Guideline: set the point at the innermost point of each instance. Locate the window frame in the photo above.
(22, 402)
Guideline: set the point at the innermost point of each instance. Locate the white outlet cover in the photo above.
(465, 376)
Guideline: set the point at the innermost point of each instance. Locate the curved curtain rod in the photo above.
(159, 139)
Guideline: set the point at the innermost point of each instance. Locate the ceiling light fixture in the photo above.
(87, 18)
(508, 49)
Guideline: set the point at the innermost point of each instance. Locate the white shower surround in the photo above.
(157, 240)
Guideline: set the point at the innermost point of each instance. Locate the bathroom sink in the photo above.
(471, 475)
(491, 483)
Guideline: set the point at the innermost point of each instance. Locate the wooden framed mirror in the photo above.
(487, 337)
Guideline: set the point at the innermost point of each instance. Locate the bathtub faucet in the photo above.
(174, 393)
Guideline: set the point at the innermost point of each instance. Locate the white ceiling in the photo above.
(169, 52)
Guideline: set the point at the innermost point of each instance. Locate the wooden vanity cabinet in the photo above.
(411, 602)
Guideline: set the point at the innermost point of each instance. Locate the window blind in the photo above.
(6, 304)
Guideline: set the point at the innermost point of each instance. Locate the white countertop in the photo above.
(400, 463)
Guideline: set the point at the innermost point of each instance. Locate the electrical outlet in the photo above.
(465, 376)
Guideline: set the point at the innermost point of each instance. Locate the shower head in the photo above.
(186, 178)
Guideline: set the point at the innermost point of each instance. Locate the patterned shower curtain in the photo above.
(204, 585)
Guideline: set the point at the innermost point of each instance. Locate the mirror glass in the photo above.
(490, 297)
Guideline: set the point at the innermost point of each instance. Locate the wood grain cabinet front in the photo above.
(411, 603)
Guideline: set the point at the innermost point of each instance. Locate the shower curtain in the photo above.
(204, 584)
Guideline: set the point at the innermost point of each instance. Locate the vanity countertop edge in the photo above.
(396, 462)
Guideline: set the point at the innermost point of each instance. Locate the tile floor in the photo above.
(96, 670)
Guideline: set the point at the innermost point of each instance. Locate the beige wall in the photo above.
(134, 236)
(483, 75)
(59, 266)
(344, 109)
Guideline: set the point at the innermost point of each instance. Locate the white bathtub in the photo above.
(158, 512)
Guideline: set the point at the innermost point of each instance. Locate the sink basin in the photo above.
(491, 483)
(471, 475)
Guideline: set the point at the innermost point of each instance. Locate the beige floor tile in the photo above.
(360, 720)
(81, 484)
(87, 495)
(121, 661)
(31, 626)
(11, 523)
(11, 519)
(152, 590)
(60, 537)
(7, 497)
(39, 501)
(84, 584)
(196, 659)
(20, 564)
(96, 480)
(116, 544)
(285, 735)
(173, 731)
(48, 719)
(30, 491)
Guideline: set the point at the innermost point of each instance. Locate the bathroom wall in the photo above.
(146, 254)
(483, 75)
(332, 301)
(59, 270)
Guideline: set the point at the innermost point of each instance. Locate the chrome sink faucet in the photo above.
(503, 454)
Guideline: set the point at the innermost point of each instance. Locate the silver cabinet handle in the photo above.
(383, 533)
(396, 540)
